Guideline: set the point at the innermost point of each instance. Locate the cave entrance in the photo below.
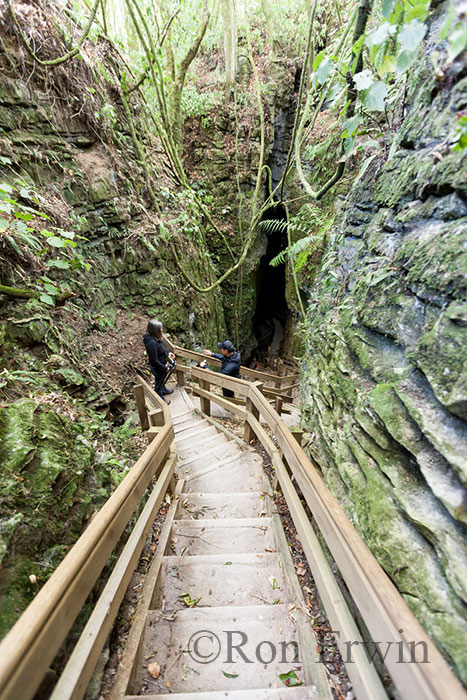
(271, 306)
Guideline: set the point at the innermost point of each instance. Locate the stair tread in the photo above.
(196, 430)
(245, 475)
(199, 506)
(303, 692)
(216, 536)
(188, 425)
(167, 641)
(210, 458)
(245, 579)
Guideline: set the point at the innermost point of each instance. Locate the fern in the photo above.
(299, 251)
(269, 226)
(293, 251)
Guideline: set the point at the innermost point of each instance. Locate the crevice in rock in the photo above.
(271, 306)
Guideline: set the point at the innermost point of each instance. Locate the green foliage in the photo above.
(461, 135)
(199, 104)
(454, 30)
(20, 231)
(298, 252)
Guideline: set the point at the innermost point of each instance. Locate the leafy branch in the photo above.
(65, 57)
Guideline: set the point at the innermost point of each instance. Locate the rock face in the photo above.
(383, 393)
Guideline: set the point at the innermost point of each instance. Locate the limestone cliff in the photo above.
(383, 384)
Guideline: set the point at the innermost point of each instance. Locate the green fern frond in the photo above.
(292, 251)
(269, 226)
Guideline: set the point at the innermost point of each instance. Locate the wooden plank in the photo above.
(204, 394)
(262, 436)
(156, 417)
(129, 662)
(310, 658)
(278, 405)
(252, 411)
(295, 385)
(273, 394)
(152, 433)
(169, 343)
(180, 376)
(298, 435)
(186, 369)
(141, 406)
(244, 371)
(31, 644)
(221, 401)
(78, 671)
(239, 386)
(362, 673)
(223, 429)
(386, 614)
(233, 399)
(289, 377)
(156, 400)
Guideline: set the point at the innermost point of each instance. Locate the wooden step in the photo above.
(220, 580)
(192, 423)
(182, 417)
(303, 692)
(198, 428)
(226, 536)
(266, 635)
(213, 456)
(199, 506)
(243, 475)
(197, 448)
(198, 435)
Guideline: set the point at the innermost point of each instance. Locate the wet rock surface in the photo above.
(384, 399)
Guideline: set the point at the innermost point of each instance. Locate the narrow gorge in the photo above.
(313, 210)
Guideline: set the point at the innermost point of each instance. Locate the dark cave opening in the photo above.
(271, 306)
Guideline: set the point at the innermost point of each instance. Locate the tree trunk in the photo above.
(229, 21)
(267, 11)
(181, 71)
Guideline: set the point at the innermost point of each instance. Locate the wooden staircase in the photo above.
(225, 616)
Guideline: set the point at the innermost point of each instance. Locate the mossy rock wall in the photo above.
(383, 392)
(49, 487)
(57, 471)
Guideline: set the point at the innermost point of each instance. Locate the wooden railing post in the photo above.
(156, 417)
(179, 373)
(205, 402)
(298, 435)
(249, 433)
(278, 404)
(141, 406)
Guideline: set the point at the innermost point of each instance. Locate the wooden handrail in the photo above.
(244, 371)
(29, 647)
(417, 668)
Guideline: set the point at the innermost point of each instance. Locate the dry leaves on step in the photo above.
(154, 669)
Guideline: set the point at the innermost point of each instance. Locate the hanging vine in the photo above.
(69, 54)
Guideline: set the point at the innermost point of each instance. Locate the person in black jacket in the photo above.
(158, 354)
(231, 361)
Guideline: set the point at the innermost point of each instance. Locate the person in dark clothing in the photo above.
(158, 355)
(231, 361)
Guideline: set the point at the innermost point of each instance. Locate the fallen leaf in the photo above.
(188, 600)
(290, 679)
(154, 669)
(230, 675)
(301, 571)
